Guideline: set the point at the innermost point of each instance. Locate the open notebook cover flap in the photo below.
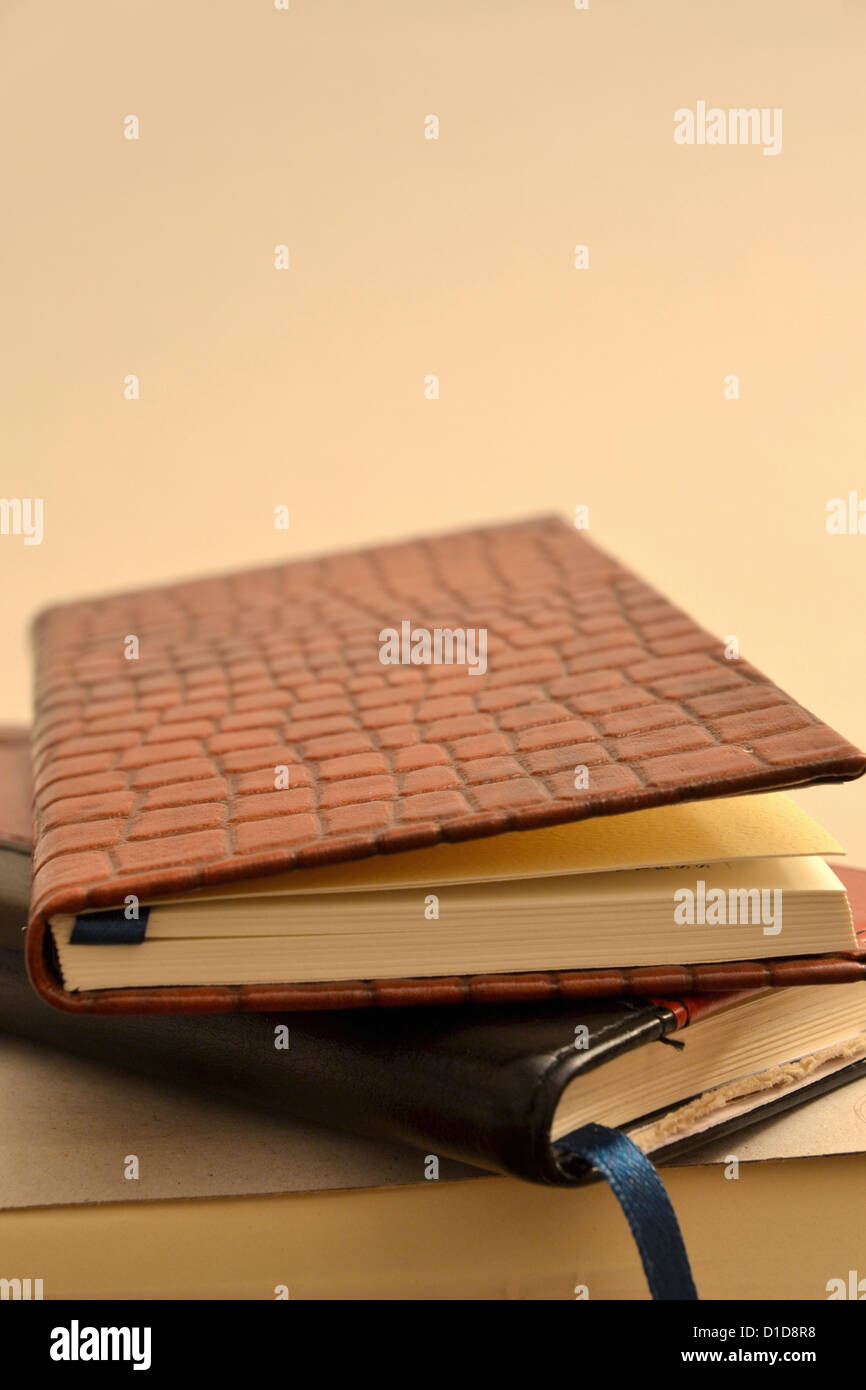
(154, 759)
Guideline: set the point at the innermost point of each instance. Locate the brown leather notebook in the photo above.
(225, 730)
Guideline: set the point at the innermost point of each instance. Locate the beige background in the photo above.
(454, 257)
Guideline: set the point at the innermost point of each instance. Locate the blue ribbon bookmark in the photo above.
(645, 1204)
(109, 928)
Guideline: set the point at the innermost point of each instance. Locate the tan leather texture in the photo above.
(157, 773)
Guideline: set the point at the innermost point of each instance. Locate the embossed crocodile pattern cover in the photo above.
(157, 773)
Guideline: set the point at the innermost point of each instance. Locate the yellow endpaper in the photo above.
(697, 832)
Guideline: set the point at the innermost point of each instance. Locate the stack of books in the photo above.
(435, 843)
(230, 1202)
